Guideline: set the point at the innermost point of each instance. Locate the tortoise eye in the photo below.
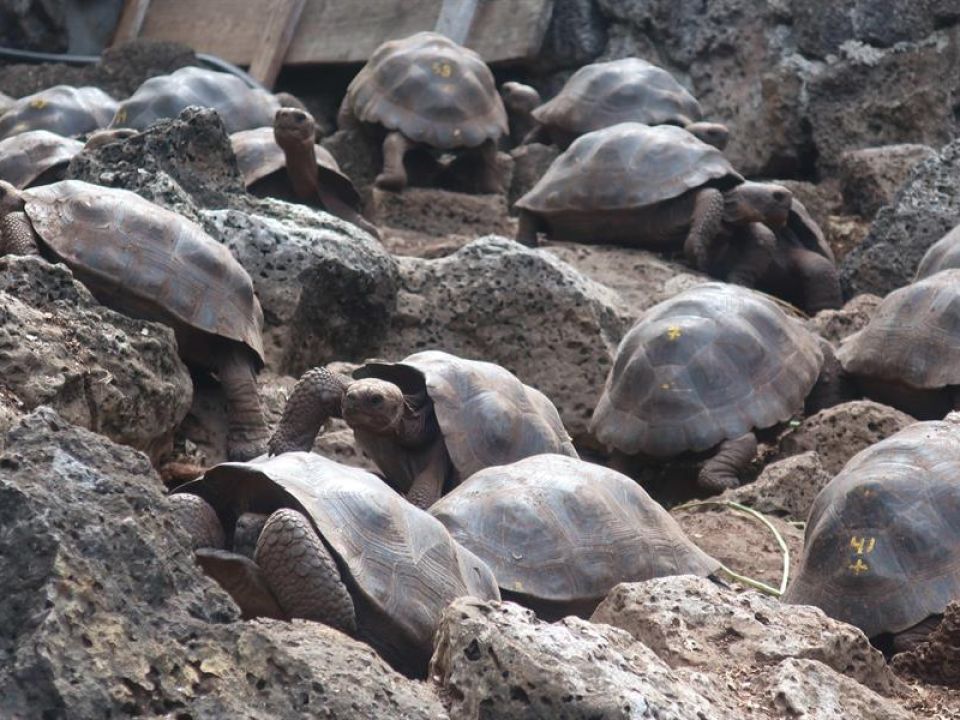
(376, 400)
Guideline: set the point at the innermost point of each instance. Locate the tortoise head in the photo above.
(519, 98)
(711, 133)
(757, 202)
(99, 138)
(373, 404)
(10, 199)
(294, 128)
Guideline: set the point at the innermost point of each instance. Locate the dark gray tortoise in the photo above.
(653, 187)
(700, 372)
(882, 544)
(627, 90)
(164, 96)
(284, 161)
(62, 109)
(906, 355)
(428, 422)
(36, 157)
(150, 263)
(338, 547)
(559, 533)
(942, 255)
(428, 91)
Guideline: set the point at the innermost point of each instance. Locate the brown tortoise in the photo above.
(338, 547)
(559, 533)
(36, 157)
(428, 422)
(627, 90)
(62, 109)
(882, 543)
(944, 254)
(654, 187)
(428, 91)
(906, 355)
(701, 371)
(284, 161)
(150, 263)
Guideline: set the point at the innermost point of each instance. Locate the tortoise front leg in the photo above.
(243, 580)
(317, 397)
(427, 485)
(722, 471)
(394, 175)
(705, 222)
(16, 235)
(199, 519)
(754, 255)
(819, 279)
(481, 163)
(528, 225)
(247, 432)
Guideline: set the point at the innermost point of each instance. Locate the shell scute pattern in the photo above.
(26, 156)
(62, 109)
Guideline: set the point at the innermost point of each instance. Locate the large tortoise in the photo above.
(882, 544)
(338, 547)
(653, 187)
(36, 157)
(944, 254)
(62, 109)
(701, 371)
(428, 422)
(559, 533)
(627, 90)
(150, 263)
(906, 355)
(164, 96)
(284, 161)
(428, 91)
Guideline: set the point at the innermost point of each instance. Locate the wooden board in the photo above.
(275, 40)
(343, 31)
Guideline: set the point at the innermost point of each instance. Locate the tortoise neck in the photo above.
(302, 170)
(418, 422)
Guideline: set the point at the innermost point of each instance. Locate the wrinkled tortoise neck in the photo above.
(416, 425)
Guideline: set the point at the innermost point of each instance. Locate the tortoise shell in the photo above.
(628, 166)
(882, 544)
(431, 89)
(707, 365)
(259, 158)
(6, 102)
(942, 255)
(913, 337)
(608, 93)
(62, 109)
(25, 157)
(561, 530)
(165, 96)
(146, 261)
(402, 561)
(486, 415)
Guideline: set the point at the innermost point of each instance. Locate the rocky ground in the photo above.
(105, 613)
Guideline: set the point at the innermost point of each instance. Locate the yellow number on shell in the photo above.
(673, 332)
(38, 104)
(443, 69)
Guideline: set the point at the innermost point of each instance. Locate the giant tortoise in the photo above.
(944, 254)
(338, 547)
(627, 90)
(429, 92)
(882, 544)
(36, 157)
(62, 109)
(701, 371)
(150, 263)
(428, 422)
(559, 533)
(653, 187)
(906, 355)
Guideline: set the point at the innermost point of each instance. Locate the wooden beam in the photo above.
(268, 58)
(456, 19)
(131, 21)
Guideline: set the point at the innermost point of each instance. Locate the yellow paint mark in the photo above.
(863, 545)
(673, 332)
(38, 104)
(121, 117)
(858, 567)
(443, 69)
(518, 586)
(665, 386)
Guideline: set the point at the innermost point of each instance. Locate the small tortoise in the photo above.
(628, 90)
(283, 161)
(36, 157)
(882, 544)
(702, 370)
(428, 91)
(944, 254)
(150, 263)
(906, 355)
(164, 96)
(654, 187)
(559, 533)
(428, 422)
(62, 109)
(338, 547)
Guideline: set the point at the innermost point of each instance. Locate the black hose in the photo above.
(30, 56)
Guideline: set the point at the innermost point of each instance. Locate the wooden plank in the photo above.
(456, 19)
(131, 20)
(275, 42)
(344, 31)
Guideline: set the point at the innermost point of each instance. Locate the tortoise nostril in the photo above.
(779, 196)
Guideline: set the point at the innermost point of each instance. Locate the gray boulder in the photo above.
(835, 325)
(105, 612)
(785, 488)
(871, 177)
(101, 370)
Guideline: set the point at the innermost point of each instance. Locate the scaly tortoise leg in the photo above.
(301, 573)
(705, 224)
(316, 398)
(722, 471)
(247, 432)
(199, 519)
(528, 225)
(394, 175)
(16, 235)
